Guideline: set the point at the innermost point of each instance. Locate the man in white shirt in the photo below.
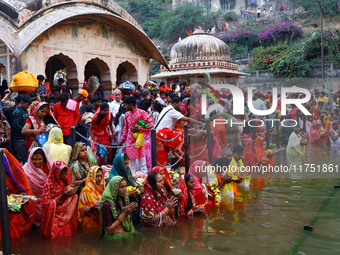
(258, 103)
(169, 115)
(115, 104)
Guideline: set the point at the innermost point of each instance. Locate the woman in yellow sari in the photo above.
(55, 147)
(88, 213)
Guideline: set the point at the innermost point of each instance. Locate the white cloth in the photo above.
(259, 105)
(337, 141)
(170, 118)
(114, 107)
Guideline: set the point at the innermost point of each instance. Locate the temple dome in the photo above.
(200, 46)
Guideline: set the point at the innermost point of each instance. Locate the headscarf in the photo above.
(16, 183)
(314, 132)
(110, 195)
(34, 114)
(183, 203)
(119, 169)
(58, 150)
(58, 220)
(199, 190)
(167, 180)
(53, 186)
(74, 164)
(37, 178)
(92, 192)
(84, 93)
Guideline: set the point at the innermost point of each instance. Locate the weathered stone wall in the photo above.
(76, 43)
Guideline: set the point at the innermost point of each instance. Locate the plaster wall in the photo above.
(82, 41)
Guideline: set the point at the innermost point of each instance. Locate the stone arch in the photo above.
(123, 23)
(126, 69)
(61, 61)
(99, 68)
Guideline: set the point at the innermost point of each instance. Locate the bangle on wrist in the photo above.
(120, 220)
(165, 211)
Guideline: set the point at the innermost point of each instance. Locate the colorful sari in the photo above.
(153, 212)
(77, 169)
(172, 140)
(36, 178)
(199, 170)
(58, 220)
(167, 180)
(249, 155)
(119, 169)
(88, 197)
(17, 183)
(55, 147)
(260, 154)
(101, 134)
(110, 195)
(34, 122)
(187, 199)
(315, 134)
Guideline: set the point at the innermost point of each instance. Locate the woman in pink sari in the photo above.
(37, 169)
(315, 134)
(99, 132)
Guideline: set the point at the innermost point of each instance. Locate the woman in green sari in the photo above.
(82, 160)
(121, 168)
(115, 209)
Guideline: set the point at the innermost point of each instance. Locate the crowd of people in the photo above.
(105, 180)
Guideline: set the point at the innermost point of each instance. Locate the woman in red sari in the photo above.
(17, 183)
(40, 120)
(187, 204)
(166, 178)
(99, 132)
(261, 156)
(171, 140)
(59, 203)
(156, 210)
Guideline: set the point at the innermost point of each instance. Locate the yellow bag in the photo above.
(24, 81)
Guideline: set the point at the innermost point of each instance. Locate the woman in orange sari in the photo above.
(88, 213)
(99, 133)
(59, 203)
(17, 183)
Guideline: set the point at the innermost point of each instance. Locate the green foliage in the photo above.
(311, 46)
(264, 57)
(230, 16)
(282, 60)
(237, 50)
(155, 67)
(291, 65)
(329, 7)
(177, 22)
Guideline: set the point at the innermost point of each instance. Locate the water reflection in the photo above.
(265, 218)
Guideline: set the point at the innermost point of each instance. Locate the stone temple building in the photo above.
(83, 38)
(195, 56)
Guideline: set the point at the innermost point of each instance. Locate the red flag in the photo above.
(190, 31)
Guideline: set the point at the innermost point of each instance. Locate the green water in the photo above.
(267, 219)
